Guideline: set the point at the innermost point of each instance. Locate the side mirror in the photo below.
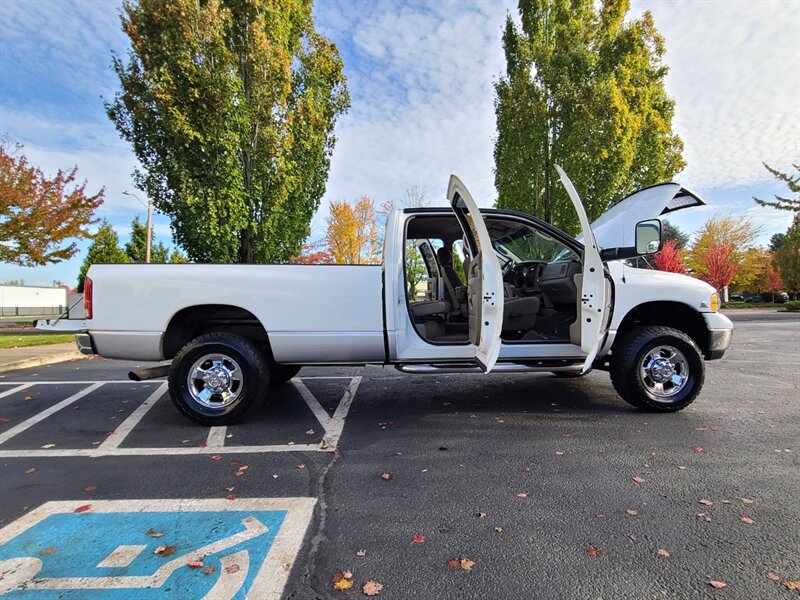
(648, 236)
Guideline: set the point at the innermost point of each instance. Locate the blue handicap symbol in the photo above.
(112, 555)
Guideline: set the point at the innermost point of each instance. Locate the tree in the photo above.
(416, 197)
(792, 182)
(670, 258)
(671, 232)
(178, 257)
(416, 272)
(584, 89)
(314, 253)
(38, 215)
(230, 107)
(136, 248)
(776, 241)
(787, 258)
(773, 283)
(724, 238)
(352, 236)
(13, 282)
(104, 250)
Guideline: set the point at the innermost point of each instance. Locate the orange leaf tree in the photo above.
(719, 265)
(732, 238)
(670, 258)
(352, 236)
(313, 253)
(39, 215)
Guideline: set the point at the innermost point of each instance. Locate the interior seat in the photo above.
(454, 287)
(428, 308)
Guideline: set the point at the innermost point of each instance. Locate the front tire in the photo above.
(658, 369)
(217, 377)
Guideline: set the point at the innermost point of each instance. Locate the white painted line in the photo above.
(121, 556)
(13, 391)
(7, 435)
(328, 377)
(319, 412)
(334, 432)
(84, 382)
(216, 436)
(121, 432)
(268, 583)
(176, 451)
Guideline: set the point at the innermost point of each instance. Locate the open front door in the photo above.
(484, 278)
(592, 313)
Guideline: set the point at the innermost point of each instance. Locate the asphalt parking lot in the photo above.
(536, 487)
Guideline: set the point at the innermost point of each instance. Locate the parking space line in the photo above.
(7, 435)
(319, 412)
(121, 432)
(13, 391)
(216, 436)
(334, 431)
(79, 382)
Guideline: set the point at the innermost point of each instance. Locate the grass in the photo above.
(35, 339)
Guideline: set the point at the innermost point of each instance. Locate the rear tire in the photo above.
(658, 369)
(280, 374)
(217, 377)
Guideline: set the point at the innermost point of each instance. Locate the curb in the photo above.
(40, 361)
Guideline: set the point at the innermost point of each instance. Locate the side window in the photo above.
(417, 274)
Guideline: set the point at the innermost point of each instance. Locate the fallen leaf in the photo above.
(638, 480)
(662, 552)
(417, 539)
(216, 457)
(340, 582)
(241, 470)
(599, 516)
(234, 463)
(202, 444)
(747, 501)
(195, 564)
(726, 501)
(747, 520)
(632, 538)
(461, 563)
(481, 515)
(559, 453)
(83, 508)
(165, 550)
(792, 584)
(48, 446)
(361, 552)
(772, 577)
(498, 530)
(705, 516)
(231, 497)
(28, 398)
(568, 434)
(706, 502)
(4, 420)
(697, 449)
(372, 588)
(717, 585)
(386, 476)
(153, 533)
(231, 569)
(310, 432)
(522, 495)
(632, 512)
(209, 570)
(301, 466)
(592, 551)
(681, 467)
(48, 550)
(31, 470)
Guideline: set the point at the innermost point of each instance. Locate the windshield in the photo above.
(523, 244)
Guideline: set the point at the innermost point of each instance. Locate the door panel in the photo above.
(485, 280)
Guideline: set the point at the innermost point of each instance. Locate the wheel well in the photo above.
(194, 321)
(668, 314)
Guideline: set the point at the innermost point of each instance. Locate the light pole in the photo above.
(149, 206)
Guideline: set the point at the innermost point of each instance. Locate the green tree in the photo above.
(230, 107)
(416, 272)
(776, 241)
(104, 250)
(584, 89)
(792, 182)
(671, 232)
(136, 248)
(178, 257)
(787, 258)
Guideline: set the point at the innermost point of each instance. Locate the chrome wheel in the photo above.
(215, 380)
(664, 371)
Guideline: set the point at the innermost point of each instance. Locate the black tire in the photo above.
(241, 353)
(280, 374)
(638, 388)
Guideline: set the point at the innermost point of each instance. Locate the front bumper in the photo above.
(720, 332)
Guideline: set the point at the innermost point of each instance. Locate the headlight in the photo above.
(714, 304)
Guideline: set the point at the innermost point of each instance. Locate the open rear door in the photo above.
(485, 280)
(592, 313)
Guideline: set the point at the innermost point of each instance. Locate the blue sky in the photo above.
(420, 76)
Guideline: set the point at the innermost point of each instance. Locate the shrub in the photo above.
(792, 306)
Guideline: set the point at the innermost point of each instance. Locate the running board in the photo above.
(527, 367)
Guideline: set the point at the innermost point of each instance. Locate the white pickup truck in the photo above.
(528, 298)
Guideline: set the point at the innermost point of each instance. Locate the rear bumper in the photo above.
(720, 332)
(85, 344)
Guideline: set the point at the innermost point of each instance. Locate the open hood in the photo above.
(616, 228)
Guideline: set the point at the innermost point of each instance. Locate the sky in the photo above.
(421, 76)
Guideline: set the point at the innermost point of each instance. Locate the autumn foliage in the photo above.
(313, 253)
(39, 215)
(720, 269)
(670, 258)
(352, 236)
